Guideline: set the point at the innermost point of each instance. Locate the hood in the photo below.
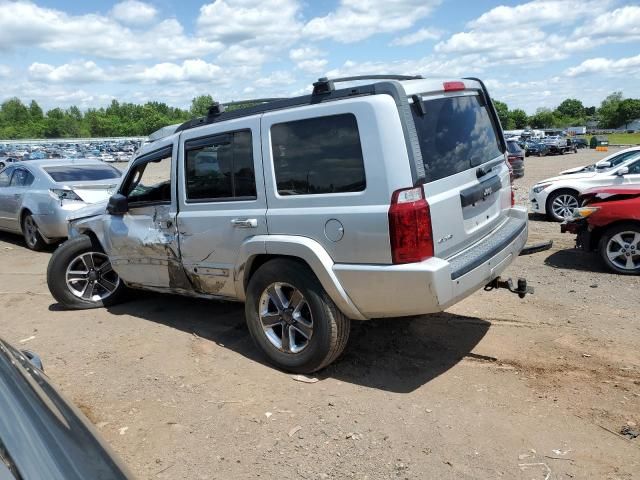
(584, 168)
(92, 210)
(572, 176)
(633, 189)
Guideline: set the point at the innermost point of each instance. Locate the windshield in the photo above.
(456, 134)
(77, 173)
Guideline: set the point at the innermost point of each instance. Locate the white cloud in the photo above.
(629, 66)
(24, 24)
(539, 12)
(134, 12)
(619, 24)
(74, 72)
(265, 23)
(355, 21)
(309, 59)
(416, 37)
(428, 66)
(189, 71)
(5, 71)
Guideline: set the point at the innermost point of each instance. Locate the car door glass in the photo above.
(21, 178)
(634, 168)
(5, 176)
(220, 167)
(150, 182)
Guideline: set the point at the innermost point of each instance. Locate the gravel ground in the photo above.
(496, 387)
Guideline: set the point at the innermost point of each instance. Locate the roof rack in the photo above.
(326, 85)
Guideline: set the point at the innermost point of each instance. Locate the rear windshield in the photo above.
(78, 173)
(513, 147)
(456, 134)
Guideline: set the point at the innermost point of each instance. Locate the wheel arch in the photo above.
(598, 233)
(261, 249)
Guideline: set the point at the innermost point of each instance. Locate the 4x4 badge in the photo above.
(487, 192)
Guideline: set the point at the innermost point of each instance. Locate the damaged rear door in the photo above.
(142, 244)
(221, 200)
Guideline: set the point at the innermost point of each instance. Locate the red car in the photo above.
(609, 222)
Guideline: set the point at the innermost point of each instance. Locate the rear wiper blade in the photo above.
(487, 167)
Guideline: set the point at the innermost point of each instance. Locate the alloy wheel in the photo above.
(286, 317)
(623, 250)
(30, 231)
(564, 205)
(90, 276)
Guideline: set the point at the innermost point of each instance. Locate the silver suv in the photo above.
(388, 198)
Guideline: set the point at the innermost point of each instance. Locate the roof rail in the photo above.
(326, 85)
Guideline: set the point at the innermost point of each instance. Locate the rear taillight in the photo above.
(453, 86)
(64, 194)
(410, 226)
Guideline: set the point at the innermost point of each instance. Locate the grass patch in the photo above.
(621, 138)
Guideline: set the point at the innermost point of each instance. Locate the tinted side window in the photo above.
(622, 158)
(21, 178)
(318, 155)
(634, 168)
(220, 167)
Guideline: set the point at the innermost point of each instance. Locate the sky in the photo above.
(531, 54)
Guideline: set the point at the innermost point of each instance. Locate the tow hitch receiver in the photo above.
(522, 290)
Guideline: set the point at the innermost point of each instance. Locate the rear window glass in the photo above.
(318, 155)
(77, 173)
(513, 147)
(456, 134)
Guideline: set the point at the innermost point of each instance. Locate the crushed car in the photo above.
(608, 222)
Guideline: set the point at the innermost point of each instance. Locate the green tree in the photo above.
(503, 113)
(200, 105)
(628, 110)
(35, 112)
(608, 112)
(543, 118)
(519, 118)
(571, 108)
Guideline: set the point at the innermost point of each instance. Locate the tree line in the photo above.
(19, 120)
(615, 111)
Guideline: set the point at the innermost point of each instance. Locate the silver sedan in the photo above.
(37, 196)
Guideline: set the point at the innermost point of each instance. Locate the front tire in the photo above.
(561, 205)
(80, 276)
(32, 237)
(292, 319)
(620, 249)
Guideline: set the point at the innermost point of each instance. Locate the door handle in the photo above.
(245, 222)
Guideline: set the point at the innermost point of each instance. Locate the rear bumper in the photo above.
(53, 225)
(434, 284)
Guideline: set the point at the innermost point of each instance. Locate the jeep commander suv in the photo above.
(387, 198)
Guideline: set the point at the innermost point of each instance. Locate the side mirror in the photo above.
(622, 172)
(603, 165)
(118, 205)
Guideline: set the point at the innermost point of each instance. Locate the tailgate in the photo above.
(467, 178)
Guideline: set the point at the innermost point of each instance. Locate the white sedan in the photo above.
(557, 197)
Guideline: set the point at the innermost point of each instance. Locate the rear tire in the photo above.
(617, 245)
(292, 319)
(31, 234)
(80, 276)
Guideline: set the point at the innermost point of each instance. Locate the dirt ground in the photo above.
(496, 387)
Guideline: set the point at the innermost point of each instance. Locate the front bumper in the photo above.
(538, 202)
(434, 284)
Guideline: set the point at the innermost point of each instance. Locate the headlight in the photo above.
(539, 188)
(584, 212)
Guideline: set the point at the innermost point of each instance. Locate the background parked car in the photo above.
(580, 142)
(41, 434)
(4, 161)
(557, 197)
(37, 196)
(609, 222)
(538, 149)
(515, 155)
